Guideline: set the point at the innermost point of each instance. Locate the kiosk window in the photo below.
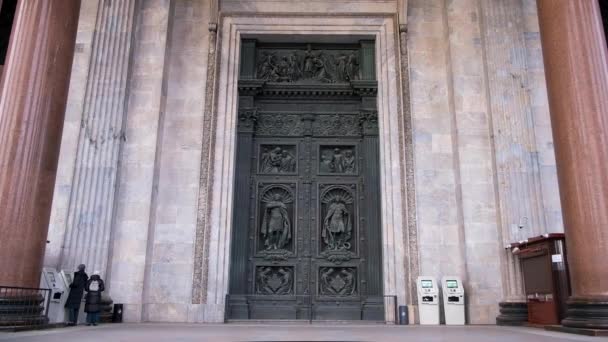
(426, 284)
(451, 284)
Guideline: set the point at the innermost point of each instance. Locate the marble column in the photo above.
(33, 97)
(516, 161)
(576, 64)
(91, 205)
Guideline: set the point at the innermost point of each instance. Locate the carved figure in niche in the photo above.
(276, 224)
(337, 282)
(274, 280)
(277, 160)
(337, 226)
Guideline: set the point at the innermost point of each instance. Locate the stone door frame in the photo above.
(215, 210)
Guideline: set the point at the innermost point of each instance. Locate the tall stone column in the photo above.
(32, 104)
(91, 205)
(516, 157)
(576, 64)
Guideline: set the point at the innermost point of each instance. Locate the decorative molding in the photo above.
(202, 240)
(307, 90)
(408, 190)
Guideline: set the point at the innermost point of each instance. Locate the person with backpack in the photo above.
(76, 291)
(92, 307)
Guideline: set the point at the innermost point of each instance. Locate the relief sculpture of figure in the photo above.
(349, 287)
(285, 287)
(337, 161)
(349, 162)
(326, 287)
(288, 162)
(276, 227)
(271, 161)
(341, 68)
(337, 226)
(352, 67)
(262, 281)
(267, 68)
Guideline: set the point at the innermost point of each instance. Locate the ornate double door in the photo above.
(306, 230)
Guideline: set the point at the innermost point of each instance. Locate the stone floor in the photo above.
(292, 332)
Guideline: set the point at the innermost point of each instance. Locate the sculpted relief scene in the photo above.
(329, 66)
(338, 159)
(277, 159)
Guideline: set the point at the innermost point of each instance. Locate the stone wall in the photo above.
(481, 144)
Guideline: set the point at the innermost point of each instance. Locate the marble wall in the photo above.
(479, 124)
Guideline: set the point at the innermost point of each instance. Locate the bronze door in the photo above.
(306, 231)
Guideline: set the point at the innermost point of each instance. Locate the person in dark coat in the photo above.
(76, 291)
(92, 307)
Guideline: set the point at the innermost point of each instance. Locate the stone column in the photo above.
(576, 64)
(516, 159)
(32, 105)
(91, 205)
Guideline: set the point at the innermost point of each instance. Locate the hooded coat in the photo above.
(93, 299)
(76, 290)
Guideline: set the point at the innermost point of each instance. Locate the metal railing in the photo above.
(302, 307)
(23, 307)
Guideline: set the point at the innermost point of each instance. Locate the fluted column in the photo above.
(91, 205)
(515, 151)
(33, 96)
(576, 64)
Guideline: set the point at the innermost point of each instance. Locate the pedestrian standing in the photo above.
(92, 307)
(77, 286)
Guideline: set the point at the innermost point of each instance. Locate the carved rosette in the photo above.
(368, 119)
(338, 281)
(274, 280)
(248, 118)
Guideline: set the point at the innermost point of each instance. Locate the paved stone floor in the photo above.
(258, 332)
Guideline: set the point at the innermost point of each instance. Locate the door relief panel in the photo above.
(278, 159)
(304, 231)
(338, 281)
(274, 280)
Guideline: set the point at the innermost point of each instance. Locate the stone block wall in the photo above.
(481, 142)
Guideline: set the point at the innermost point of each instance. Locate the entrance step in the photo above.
(303, 322)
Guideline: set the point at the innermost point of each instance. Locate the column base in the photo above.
(587, 313)
(512, 313)
(106, 308)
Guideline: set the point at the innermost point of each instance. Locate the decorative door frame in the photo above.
(399, 243)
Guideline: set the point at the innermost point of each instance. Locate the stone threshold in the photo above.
(578, 331)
